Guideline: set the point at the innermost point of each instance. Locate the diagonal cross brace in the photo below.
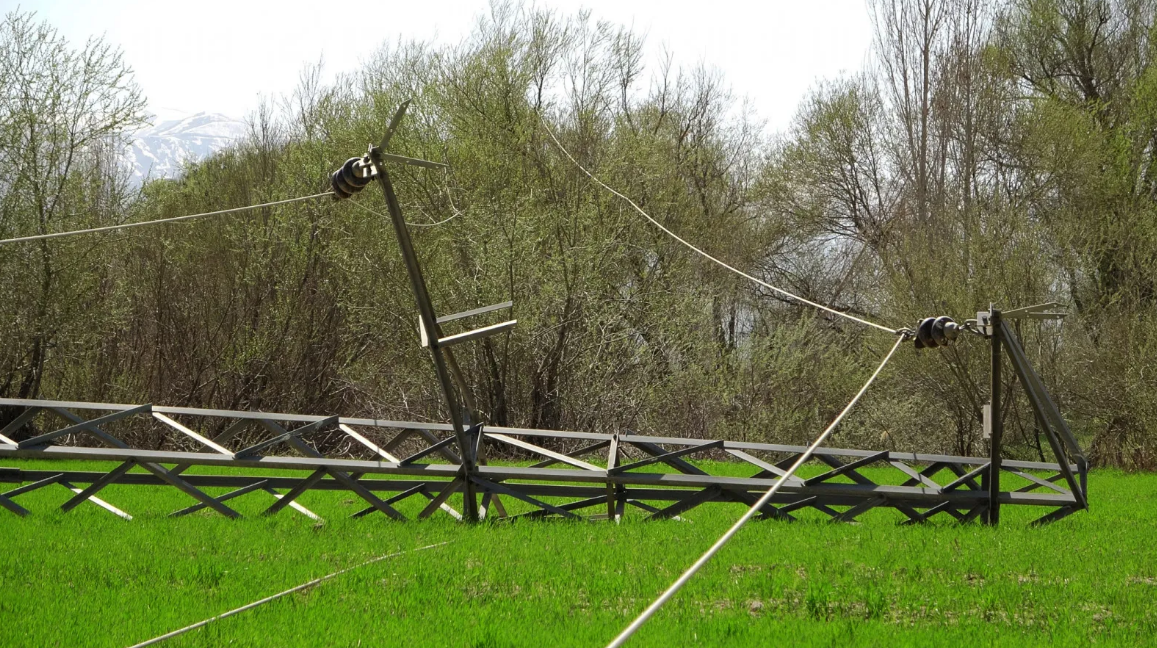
(17, 423)
(341, 476)
(295, 492)
(765, 466)
(83, 425)
(556, 456)
(97, 485)
(965, 478)
(258, 485)
(7, 503)
(214, 445)
(686, 504)
(409, 492)
(385, 454)
(165, 475)
(208, 443)
(667, 457)
(574, 455)
(428, 451)
(284, 436)
(494, 486)
(848, 467)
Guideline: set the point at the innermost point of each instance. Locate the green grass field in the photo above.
(87, 578)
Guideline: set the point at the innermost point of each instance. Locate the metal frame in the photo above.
(437, 461)
(647, 472)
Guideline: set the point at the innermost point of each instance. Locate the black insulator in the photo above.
(347, 180)
(944, 330)
(350, 172)
(934, 332)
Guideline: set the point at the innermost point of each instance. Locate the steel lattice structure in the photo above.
(420, 459)
(435, 461)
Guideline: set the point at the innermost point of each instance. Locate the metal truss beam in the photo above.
(557, 483)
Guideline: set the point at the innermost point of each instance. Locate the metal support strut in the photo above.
(429, 323)
(992, 514)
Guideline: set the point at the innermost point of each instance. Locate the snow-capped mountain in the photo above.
(161, 150)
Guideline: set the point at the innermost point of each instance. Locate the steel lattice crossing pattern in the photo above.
(422, 460)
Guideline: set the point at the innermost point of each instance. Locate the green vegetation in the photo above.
(87, 578)
(990, 151)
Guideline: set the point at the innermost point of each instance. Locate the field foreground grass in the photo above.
(87, 578)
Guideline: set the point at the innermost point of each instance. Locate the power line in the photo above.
(160, 221)
(250, 606)
(381, 215)
(682, 580)
(706, 255)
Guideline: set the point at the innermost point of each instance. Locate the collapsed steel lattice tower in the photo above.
(435, 461)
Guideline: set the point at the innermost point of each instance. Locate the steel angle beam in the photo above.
(190, 490)
(385, 454)
(97, 485)
(1036, 482)
(244, 417)
(845, 468)
(666, 457)
(458, 338)
(406, 494)
(409, 161)
(925, 515)
(477, 311)
(440, 500)
(6, 502)
(1038, 311)
(966, 479)
(569, 506)
(675, 462)
(1060, 437)
(15, 424)
(208, 443)
(421, 454)
(585, 450)
(682, 506)
(244, 490)
(1058, 514)
(92, 499)
(766, 468)
(83, 426)
(284, 436)
(504, 490)
(555, 456)
(119, 446)
(923, 477)
(851, 514)
(288, 498)
(357, 436)
(38, 484)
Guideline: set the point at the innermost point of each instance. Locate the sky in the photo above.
(222, 56)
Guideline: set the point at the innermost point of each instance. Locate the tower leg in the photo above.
(992, 514)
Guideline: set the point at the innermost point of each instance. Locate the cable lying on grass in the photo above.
(160, 221)
(303, 586)
(682, 580)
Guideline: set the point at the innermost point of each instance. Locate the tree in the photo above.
(63, 115)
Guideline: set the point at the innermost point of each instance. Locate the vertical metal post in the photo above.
(993, 514)
(430, 323)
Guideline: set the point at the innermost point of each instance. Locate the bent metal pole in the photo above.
(710, 553)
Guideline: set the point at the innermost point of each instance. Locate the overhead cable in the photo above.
(381, 215)
(303, 586)
(755, 508)
(160, 221)
(707, 256)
